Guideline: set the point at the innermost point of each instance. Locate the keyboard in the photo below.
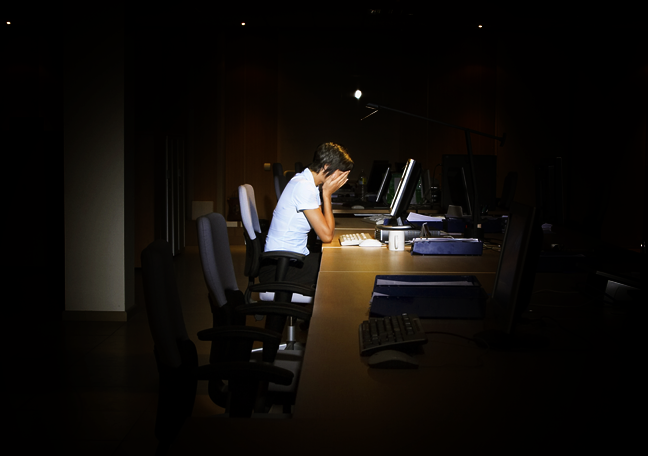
(398, 332)
(354, 238)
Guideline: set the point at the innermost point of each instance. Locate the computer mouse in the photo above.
(371, 243)
(392, 359)
(357, 206)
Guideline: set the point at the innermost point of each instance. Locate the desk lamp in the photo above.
(476, 230)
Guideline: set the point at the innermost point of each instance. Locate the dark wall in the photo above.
(265, 94)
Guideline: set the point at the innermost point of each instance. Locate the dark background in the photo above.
(560, 83)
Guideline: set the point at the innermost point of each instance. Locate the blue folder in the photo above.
(431, 296)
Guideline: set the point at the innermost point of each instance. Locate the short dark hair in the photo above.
(333, 155)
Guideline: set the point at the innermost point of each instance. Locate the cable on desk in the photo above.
(462, 337)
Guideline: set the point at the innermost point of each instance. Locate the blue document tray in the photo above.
(435, 296)
(444, 246)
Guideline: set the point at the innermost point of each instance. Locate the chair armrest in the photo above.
(240, 340)
(292, 287)
(276, 308)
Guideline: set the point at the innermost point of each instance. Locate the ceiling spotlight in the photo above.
(357, 94)
(480, 26)
(8, 22)
(243, 23)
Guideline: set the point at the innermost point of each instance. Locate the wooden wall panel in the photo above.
(261, 102)
(203, 138)
(234, 112)
(250, 110)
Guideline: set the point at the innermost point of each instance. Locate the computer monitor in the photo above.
(384, 187)
(458, 184)
(376, 175)
(406, 187)
(514, 283)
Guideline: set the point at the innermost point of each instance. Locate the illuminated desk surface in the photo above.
(462, 398)
(333, 371)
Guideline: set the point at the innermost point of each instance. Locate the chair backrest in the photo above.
(249, 214)
(163, 302)
(254, 238)
(298, 167)
(175, 353)
(279, 179)
(215, 256)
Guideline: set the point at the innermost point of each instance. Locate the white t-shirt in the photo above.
(289, 228)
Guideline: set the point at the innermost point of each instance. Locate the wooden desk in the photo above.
(462, 399)
(334, 373)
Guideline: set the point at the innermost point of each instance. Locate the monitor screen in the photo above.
(404, 192)
(376, 175)
(458, 183)
(384, 187)
(514, 280)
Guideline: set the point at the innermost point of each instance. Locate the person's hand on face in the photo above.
(336, 180)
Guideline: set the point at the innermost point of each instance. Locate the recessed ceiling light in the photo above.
(480, 26)
(8, 22)
(242, 23)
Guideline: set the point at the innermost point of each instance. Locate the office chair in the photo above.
(177, 359)
(280, 290)
(280, 180)
(228, 304)
(281, 177)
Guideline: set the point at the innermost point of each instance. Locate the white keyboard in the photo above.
(353, 239)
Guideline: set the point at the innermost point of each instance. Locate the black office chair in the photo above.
(280, 290)
(228, 304)
(280, 180)
(281, 177)
(177, 359)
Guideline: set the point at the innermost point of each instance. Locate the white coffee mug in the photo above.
(396, 240)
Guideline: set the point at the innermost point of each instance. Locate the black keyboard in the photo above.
(397, 332)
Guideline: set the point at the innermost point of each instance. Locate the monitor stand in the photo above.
(396, 223)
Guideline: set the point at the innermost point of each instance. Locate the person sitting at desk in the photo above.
(300, 208)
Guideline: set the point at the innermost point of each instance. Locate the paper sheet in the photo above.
(384, 282)
(414, 217)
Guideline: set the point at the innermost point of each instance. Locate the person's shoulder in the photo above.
(303, 183)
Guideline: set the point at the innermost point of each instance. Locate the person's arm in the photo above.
(322, 220)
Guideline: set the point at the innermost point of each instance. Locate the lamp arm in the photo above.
(501, 139)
